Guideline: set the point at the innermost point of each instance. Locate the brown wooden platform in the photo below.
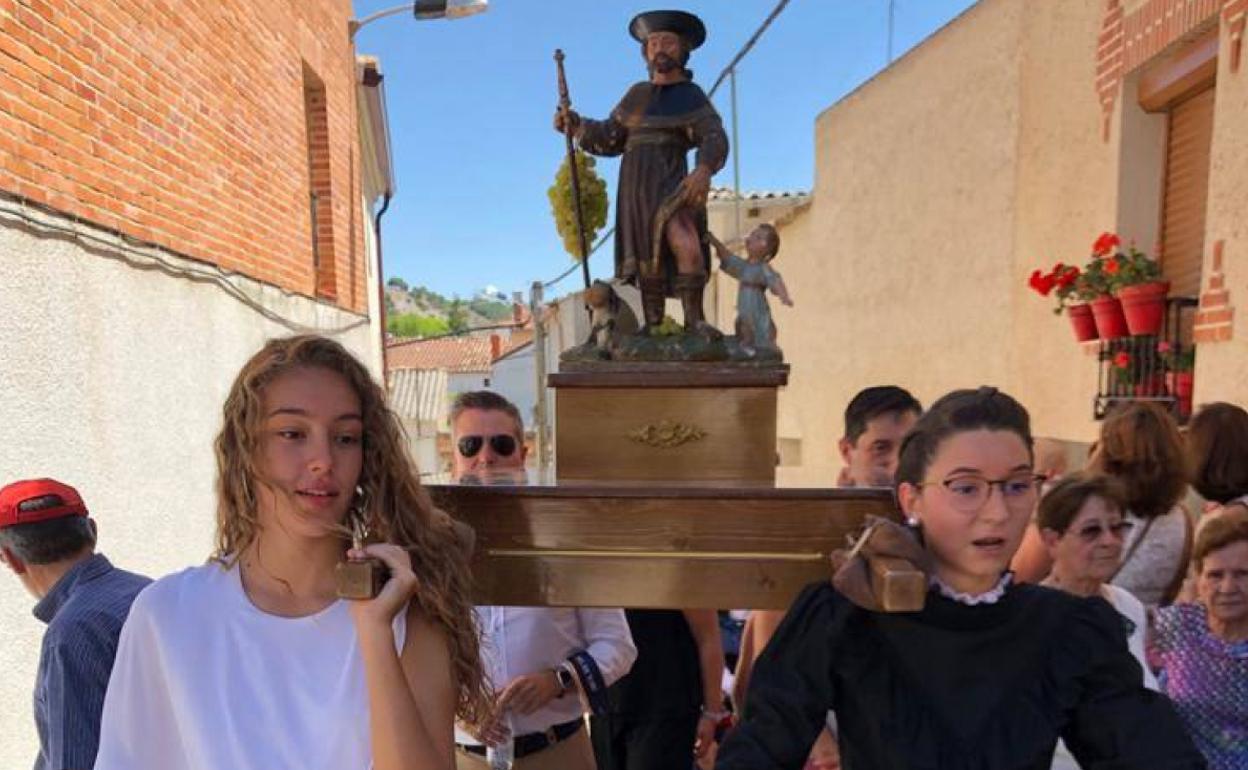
(667, 423)
(717, 545)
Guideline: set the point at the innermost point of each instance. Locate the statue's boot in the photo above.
(689, 287)
(653, 297)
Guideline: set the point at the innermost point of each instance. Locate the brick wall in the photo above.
(1215, 315)
(1131, 36)
(182, 122)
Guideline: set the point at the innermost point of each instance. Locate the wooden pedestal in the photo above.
(675, 546)
(667, 423)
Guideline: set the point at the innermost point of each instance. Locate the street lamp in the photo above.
(424, 10)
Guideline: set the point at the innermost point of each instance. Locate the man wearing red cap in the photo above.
(48, 541)
(655, 126)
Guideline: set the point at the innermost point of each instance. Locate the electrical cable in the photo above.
(45, 221)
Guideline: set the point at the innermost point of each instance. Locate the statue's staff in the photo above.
(569, 128)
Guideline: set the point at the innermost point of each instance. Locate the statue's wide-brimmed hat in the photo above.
(685, 24)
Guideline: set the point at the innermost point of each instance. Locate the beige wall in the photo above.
(113, 380)
(942, 183)
(1065, 196)
(896, 268)
(1222, 367)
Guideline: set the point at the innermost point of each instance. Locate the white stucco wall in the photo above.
(112, 379)
(515, 379)
(463, 382)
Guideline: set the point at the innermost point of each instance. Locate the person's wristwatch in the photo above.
(565, 678)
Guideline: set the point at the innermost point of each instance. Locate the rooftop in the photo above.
(458, 354)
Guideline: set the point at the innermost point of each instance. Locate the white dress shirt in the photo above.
(527, 640)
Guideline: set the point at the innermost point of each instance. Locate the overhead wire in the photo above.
(146, 255)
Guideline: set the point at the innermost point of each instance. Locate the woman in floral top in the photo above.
(1202, 649)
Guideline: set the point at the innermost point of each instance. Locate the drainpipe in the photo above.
(381, 290)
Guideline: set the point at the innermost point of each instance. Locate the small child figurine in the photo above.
(755, 329)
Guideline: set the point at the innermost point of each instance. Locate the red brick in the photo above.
(181, 128)
(1214, 298)
(1211, 317)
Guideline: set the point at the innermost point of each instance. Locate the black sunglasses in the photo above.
(1092, 532)
(503, 444)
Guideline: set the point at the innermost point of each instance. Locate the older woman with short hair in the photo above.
(1081, 524)
(1201, 649)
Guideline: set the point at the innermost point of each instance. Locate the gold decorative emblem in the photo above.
(667, 434)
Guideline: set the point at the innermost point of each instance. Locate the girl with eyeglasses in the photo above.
(987, 674)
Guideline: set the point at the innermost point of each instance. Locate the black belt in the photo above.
(532, 743)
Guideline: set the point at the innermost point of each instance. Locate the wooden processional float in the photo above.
(664, 493)
(664, 496)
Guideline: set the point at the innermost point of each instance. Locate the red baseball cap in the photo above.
(25, 502)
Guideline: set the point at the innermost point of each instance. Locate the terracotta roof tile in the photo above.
(471, 353)
(454, 354)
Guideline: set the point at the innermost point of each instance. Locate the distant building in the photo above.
(426, 375)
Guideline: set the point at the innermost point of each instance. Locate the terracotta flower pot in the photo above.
(1110, 323)
(1181, 385)
(1144, 306)
(1082, 322)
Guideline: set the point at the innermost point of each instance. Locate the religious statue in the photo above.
(661, 206)
(756, 332)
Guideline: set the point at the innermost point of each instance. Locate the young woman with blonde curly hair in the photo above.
(251, 660)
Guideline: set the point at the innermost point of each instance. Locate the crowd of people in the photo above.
(1091, 617)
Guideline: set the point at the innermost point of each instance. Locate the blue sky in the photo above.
(471, 101)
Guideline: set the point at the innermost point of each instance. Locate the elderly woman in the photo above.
(1201, 649)
(1081, 524)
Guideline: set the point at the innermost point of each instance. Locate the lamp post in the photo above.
(424, 10)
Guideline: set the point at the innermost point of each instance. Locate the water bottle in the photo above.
(502, 756)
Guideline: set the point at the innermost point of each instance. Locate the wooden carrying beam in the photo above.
(687, 546)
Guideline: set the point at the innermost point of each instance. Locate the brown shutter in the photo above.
(1187, 187)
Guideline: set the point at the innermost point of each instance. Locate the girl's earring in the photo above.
(912, 521)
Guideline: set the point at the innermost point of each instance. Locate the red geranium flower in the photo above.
(1111, 266)
(1041, 283)
(1122, 360)
(1106, 243)
(1066, 276)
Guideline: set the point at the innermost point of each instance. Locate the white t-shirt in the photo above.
(204, 680)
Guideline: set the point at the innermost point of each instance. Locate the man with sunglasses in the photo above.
(543, 661)
(488, 434)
